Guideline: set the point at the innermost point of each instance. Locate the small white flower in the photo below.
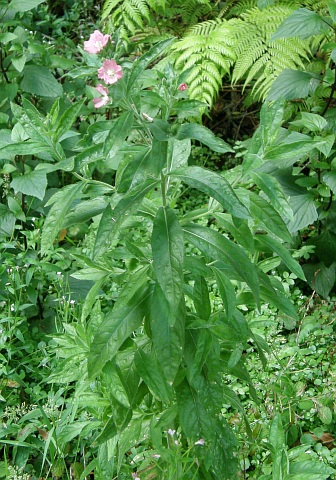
(200, 442)
(171, 432)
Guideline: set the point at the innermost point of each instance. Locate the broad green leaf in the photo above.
(40, 81)
(332, 11)
(269, 218)
(7, 221)
(283, 253)
(227, 292)
(84, 211)
(33, 183)
(180, 152)
(302, 23)
(301, 201)
(273, 190)
(25, 148)
(61, 201)
(213, 185)
(320, 278)
(151, 372)
(195, 421)
(67, 432)
(24, 5)
(311, 121)
(309, 469)
(112, 377)
(145, 60)
(203, 135)
(67, 119)
(19, 62)
(6, 37)
(168, 255)
(117, 327)
(167, 335)
(112, 220)
(218, 247)
(329, 179)
(292, 84)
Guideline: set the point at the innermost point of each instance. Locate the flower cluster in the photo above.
(110, 72)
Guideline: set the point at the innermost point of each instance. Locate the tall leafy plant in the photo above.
(161, 353)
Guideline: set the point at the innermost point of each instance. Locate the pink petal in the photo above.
(101, 89)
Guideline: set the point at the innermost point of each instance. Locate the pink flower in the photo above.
(101, 101)
(182, 87)
(96, 42)
(110, 72)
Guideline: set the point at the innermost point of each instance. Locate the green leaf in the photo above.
(302, 23)
(292, 84)
(213, 185)
(301, 201)
(112, 220)
(309, 469)
(40, 81)
(218, 247)
(146, 59)
(24, 5)
(194, 418)
(201, 298)
(62, 201)
(168, 255)
(227, 292)
(132, 172)
(33, 183)
(67, 119)
(117, 327)
(273, 190)
(7, 221)
(117, 134)
(329, 179)
(151, 372)
(311, 121)
(283, 253)
(203, 135)
(6, 37)
(167, 335)
(264, 212)
(320, 278)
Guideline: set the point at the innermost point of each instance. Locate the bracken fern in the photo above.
(260, 61)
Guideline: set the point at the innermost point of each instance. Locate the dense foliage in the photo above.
(166, 292)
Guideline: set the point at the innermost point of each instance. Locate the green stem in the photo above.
(97, 182)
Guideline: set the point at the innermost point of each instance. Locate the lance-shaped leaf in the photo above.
(213, 185)
(203, 135)
(67, 119)
(168, 255)
(112, 220)
(226, 291)
(146, 59)
(283, 253)
(33, 183)
(218, 247)
(117, 134)
(273, 190)
(151, 372)
(117, 326)
(270, 219)
(201, 298)
(167, 335)
(61, 201)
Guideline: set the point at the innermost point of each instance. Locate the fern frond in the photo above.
(259, 59)
(208, 48)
